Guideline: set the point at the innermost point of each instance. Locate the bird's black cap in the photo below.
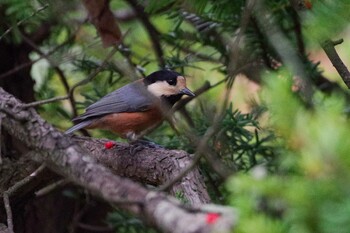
(162, 75)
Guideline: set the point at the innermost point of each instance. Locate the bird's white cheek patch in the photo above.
(161, 88)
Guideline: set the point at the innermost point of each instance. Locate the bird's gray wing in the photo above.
(131, 98)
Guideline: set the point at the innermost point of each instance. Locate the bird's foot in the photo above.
(140, 144)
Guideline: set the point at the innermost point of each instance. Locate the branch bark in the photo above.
(329, 47)
(73, 162)
(152, 166)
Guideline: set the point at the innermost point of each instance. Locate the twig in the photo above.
(19, 68)
(95, 228)
(129, 70)
(23, 20)
(13, 189)
(329, 47)
(92, 75)
(298, 32)
(58, 70)
(283, 48)
(233, 45)
(152, 31)
(41, 102)
(207, 86)
(263, 44)
(24, 65)
(202, 148)
(51, 187)
(82, 82)
(24, 181)
(198, 55)
(64, 81)
(8, 212)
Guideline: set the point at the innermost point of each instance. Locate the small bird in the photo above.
(135, 107)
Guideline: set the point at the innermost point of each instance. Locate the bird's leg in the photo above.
(137, 144)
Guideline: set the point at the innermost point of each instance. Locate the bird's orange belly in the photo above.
(126, 123)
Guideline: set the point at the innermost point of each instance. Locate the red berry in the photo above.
(211, 218)
(109, 145)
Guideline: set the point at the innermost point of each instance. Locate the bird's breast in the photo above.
(129, 122)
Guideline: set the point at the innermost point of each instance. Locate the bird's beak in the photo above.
(187, 91)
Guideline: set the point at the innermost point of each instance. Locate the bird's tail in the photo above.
(78, 126)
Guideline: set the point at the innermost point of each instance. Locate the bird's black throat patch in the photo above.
(172, 99)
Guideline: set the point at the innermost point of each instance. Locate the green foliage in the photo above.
(240, 142)
(154, 6)
(327, 19)
(19, 13)
(243, 143)
(309, 191)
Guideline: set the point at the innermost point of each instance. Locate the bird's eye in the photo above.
(171, 82)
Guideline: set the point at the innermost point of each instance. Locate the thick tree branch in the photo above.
(73, 162)
(329, 47)
(152, 166)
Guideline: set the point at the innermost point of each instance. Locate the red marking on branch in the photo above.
(211, 218)
(109, 145)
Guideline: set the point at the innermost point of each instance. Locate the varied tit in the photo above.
(134, 107)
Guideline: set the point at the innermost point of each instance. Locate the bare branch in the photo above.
(95, 228)
(26, 180)
(329, 47)
(284, 48)
(152, 31)
(8, 212)
(12, 190)
(25, 65)
(46, 101)
(51, 187)
(60, 73)
(83, 82)
(93, 74)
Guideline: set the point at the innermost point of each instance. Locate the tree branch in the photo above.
(152, 166)
(152, 31)
(329, 47)
(73, 162)
(58, 70)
